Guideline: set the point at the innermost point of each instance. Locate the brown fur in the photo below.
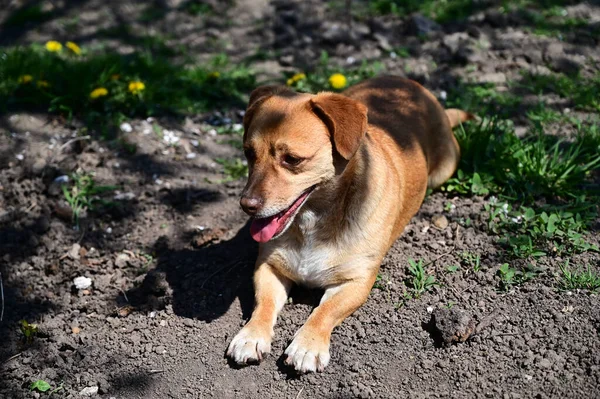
(371, 153)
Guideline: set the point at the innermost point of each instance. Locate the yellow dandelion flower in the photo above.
(43, 84)
(74, 47)
(115, 76)
(24, 79)
(53, 46)
(296, 78)
(338, 81)
(136, 87)
(214, 75)
(99, 92)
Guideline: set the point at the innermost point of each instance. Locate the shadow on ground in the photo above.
(199, 283)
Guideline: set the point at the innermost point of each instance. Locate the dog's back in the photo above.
(416, 121)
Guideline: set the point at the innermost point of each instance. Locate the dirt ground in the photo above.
(171, 263)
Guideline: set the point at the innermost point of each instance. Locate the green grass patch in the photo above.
(107, 87)
(85, 194)
(495, 160)
(418, 280)
(583, 92)
(549, 230)
(578, 278)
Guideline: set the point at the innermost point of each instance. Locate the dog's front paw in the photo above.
(308, 352)
(250, 345)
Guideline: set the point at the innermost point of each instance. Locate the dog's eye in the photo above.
(249, 154)
(290, 160)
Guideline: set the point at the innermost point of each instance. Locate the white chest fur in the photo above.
(311, 262)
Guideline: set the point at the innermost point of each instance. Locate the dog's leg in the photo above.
(254, 340)
(309, 351)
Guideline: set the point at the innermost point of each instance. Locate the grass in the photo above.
(84, 194)
(419, 281)
(495, 160)
(510, 276)
(550, 230)
(578, 278)
(583, 92)
(34, 78)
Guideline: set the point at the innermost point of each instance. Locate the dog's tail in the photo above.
(458, 116)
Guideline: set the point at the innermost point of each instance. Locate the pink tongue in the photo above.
(262, 230)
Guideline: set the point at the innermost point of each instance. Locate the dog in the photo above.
(333, 180)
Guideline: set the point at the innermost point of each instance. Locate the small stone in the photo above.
(122, 260)
(76, 330)
(74, 252)
(89, 391)
(82, 283)
(126, 127)
(439, 221)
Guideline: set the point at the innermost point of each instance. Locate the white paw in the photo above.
(249, 346)
(308, 353)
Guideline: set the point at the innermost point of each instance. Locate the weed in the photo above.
(70, 84)
(510, 276)
(453, 268)
(234, 169)
(419, 281)
(29, 330)
(319, 78)
(555, 230)
(585, 279)
(40, 386)
(472, 260)
(84, 195)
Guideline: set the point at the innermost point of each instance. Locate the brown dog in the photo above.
(329, 193)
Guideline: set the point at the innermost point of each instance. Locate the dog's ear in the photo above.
(259, 96)
(345, 118)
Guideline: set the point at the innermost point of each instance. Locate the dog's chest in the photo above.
(310, 263)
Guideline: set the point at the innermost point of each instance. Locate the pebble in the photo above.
(126, 127)
(89, 391)
(440, 221)
(82, 283)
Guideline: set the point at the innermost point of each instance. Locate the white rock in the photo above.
(62, 179)
(429, 309)
(212, 132)
(109, 230)
(89, 391)
(170, 137)
(443, 95)
(20, 157)
(195, 143)
(126, 127)
(237, 127)
(82, 283)
(124, 196)
(191, 155)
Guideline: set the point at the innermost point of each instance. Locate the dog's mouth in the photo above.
(264, 229)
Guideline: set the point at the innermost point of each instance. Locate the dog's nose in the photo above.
(250, 205)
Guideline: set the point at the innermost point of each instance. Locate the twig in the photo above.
(62, 147)
(439, 257)
(156, 371)
(124, 294)
(13, 357)
(299, 392)
(2, 295)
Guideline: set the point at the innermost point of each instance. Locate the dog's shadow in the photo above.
(203, 283)
(199, 283)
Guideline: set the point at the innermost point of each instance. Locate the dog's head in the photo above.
(291, 142)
